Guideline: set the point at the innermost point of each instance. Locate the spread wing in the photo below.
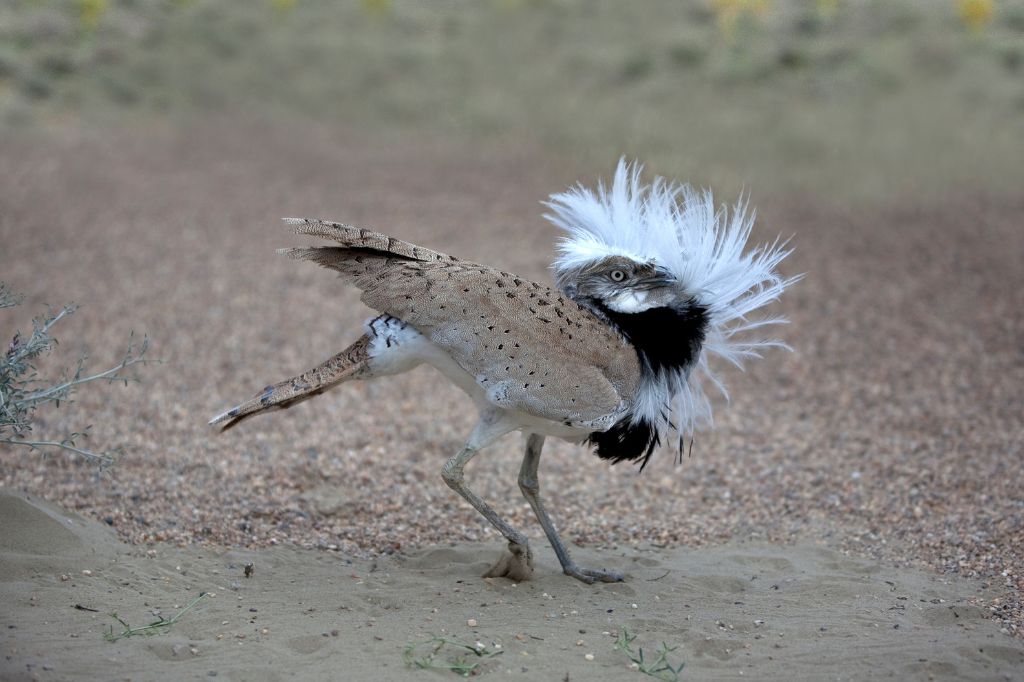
(527, 346)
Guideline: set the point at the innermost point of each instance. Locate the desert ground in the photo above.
(857, 513)
(734, 612)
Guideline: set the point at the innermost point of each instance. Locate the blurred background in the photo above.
(847, 99)
(148, 149)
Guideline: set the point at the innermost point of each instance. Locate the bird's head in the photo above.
(672, 272)
(620, 284)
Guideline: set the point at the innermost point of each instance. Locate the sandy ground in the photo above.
(740, 611)
(892, 433)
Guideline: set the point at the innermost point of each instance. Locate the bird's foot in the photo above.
(517, 565)
(589, 575)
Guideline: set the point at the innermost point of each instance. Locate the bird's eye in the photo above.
(617, 275)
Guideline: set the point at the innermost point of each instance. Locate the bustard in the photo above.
(651, 281)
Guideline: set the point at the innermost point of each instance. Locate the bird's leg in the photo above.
(518, 564)
(530, 486)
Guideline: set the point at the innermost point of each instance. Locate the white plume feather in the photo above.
(702, 245)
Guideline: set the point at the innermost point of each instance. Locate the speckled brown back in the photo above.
(527, 345)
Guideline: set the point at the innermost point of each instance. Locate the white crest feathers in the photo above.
(681, 229)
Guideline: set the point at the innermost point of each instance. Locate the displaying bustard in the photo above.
(652, 283)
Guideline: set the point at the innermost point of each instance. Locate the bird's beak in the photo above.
(662, 277)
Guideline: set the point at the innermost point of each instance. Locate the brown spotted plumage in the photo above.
(491, 323)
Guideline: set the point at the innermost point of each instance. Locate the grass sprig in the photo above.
(160, 625)
(658, 668)
(447, 653)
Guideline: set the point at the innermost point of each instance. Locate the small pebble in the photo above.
(471, 622)
(588, 657)
(87, 572)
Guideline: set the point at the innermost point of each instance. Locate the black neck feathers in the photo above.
(666, 339)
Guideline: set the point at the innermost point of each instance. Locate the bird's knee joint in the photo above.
(452, 475)
(529, 485)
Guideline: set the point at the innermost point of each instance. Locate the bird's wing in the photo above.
(527, 346)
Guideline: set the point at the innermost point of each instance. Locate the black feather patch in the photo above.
(626, 441)
(666, 339)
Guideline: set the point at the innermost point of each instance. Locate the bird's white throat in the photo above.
(630, 302)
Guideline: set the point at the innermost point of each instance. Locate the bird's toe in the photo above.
(590, 575)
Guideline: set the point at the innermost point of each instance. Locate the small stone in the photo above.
(471, 622)
(64, 577)
(87, 572)
(579, 642)
(588, 657)
(265, 631)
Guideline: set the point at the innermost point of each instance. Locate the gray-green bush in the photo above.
(23, 390)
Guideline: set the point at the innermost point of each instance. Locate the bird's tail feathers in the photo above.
(361, 240)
